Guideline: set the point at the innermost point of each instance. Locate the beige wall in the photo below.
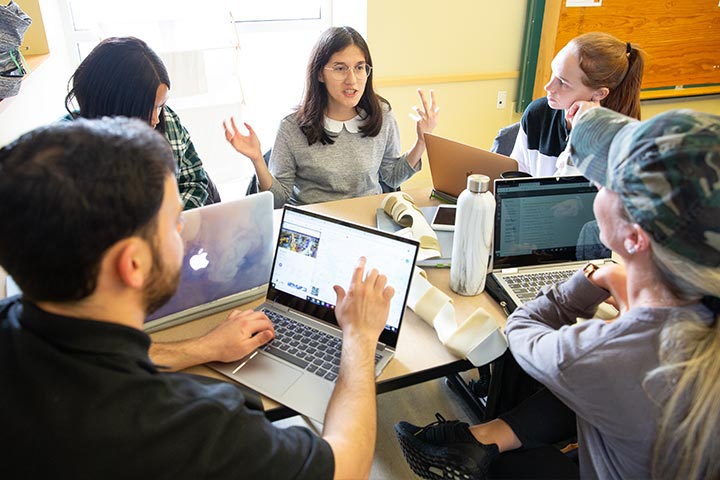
(416, 43)
(424, 39)
(35, 40)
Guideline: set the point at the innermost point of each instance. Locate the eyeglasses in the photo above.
(340, 71)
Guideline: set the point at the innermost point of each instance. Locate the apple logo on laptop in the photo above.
(199, 260)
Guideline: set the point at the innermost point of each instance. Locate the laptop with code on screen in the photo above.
(545, 230)
(313, 253)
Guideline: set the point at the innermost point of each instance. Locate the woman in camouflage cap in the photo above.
(659, 209)
(643, 386)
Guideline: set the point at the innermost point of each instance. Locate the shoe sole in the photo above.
(434, 463)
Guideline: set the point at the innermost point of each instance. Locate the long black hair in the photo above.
(120, 77)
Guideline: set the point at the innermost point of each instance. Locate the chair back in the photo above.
(253, 187)
(505, 139)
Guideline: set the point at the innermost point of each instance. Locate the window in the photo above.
(225, 57)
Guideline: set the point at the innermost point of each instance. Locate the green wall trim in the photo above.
(529, 56)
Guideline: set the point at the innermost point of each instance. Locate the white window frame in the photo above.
(266, 102)
(333, 13)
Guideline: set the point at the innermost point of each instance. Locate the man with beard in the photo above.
(91, 222)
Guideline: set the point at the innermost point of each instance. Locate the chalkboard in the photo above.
(680, 37)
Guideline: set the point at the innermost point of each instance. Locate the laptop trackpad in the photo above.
(268, 375)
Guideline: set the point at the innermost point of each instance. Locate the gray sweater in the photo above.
(351, 167)
(597, 369)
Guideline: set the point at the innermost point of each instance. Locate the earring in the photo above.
(630, 247)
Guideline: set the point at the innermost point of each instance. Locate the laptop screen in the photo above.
(545, 220)
(315, 252)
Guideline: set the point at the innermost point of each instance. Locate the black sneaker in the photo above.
(445, 450)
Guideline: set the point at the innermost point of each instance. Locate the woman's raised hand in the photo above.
(248, 145)
(425, 116)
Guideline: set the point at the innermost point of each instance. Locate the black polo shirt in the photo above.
(81, 399)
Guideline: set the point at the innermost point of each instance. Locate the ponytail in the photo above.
(608, 62)
(688, 437)
(625, 96)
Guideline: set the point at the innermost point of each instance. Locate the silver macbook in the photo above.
(545, 230)
(228, 255)
(313, 253)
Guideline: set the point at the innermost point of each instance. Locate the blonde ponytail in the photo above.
(688, 436)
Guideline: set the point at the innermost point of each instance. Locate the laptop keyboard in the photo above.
(526, 286)
(306, 347)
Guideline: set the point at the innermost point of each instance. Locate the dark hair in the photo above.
(312, 110)
(612, 63)
(69, 191)
(119, 77)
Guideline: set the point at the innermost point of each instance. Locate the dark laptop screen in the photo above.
(545, 220)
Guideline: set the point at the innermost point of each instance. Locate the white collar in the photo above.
(334, 126)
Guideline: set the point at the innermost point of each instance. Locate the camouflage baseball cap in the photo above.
(666, 170)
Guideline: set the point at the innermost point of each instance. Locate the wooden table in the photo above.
(419, 356)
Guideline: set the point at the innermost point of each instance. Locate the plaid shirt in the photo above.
(191, 177)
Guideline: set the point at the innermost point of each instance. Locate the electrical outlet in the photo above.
(501, 99)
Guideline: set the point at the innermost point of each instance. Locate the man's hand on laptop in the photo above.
(364, 308)
(239, 335)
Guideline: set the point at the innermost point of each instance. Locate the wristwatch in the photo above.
(589, 269)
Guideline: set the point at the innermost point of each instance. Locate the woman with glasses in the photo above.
(343, 140)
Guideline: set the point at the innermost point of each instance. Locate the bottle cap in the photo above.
(478, 183)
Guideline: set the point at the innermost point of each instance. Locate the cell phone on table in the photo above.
(444, 218)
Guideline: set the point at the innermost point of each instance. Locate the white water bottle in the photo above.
(474, 220)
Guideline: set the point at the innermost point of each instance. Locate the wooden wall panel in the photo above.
(681, 39)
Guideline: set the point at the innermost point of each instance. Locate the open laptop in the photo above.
(451, 162)
(228, 254)
(314, 252)
(545, 230)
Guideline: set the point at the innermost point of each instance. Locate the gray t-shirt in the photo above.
(351, 167)
(598, 370)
